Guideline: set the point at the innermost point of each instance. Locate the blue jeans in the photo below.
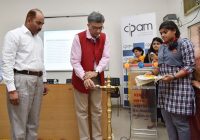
(177, 125)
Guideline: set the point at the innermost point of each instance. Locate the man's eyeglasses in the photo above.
(97, 28)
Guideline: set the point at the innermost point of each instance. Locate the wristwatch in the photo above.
(97, 71)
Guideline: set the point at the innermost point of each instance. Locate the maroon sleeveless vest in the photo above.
(91, 53)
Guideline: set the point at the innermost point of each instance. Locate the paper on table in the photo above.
(145, 79)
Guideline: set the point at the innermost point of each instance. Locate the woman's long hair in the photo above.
(170, 25)
(151, 49)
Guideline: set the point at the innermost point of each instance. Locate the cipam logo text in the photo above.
(131, 28)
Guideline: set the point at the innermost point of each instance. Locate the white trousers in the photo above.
(24, 118)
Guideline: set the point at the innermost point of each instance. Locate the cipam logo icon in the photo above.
(131, 28)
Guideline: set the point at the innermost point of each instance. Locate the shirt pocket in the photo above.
(25, 44)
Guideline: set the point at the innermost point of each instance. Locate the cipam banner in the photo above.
(138, 30)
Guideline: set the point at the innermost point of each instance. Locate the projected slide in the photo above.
(57, 49)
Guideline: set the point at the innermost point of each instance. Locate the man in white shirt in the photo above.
(23, 72)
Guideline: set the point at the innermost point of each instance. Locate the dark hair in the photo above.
(32, 14)
(151, 46)
(139, 49)
(151, 49)
(170, 25)
(96, 17)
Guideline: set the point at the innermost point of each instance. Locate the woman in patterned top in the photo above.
(176, 96)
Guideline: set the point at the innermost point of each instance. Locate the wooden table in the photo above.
(57, 118)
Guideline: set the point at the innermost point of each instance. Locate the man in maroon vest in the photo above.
(89, 59)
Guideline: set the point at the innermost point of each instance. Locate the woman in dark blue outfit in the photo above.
(176, 96)
(153, 50)
(152, 57)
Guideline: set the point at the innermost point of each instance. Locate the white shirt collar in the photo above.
(25, 29)
(89, 36)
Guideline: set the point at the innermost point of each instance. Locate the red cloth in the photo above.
(91, 52)
(195, 120)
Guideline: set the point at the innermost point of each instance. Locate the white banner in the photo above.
(138, 30)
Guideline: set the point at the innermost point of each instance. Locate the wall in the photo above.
(185, 18)
(13, 15)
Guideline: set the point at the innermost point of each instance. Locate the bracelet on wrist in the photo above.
(174, 76)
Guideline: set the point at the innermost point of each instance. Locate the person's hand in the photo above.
(155, 58)
(14, 97)
(88, 83)
(149, 73)
(168, 78)
(90, 74)
(196, 84)
(133, 60)
(45, 92)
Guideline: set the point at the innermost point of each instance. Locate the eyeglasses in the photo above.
(156, 43)
(97, 28)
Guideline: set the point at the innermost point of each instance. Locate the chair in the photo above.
(68, 81)
(52, 81)
(116, 92)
